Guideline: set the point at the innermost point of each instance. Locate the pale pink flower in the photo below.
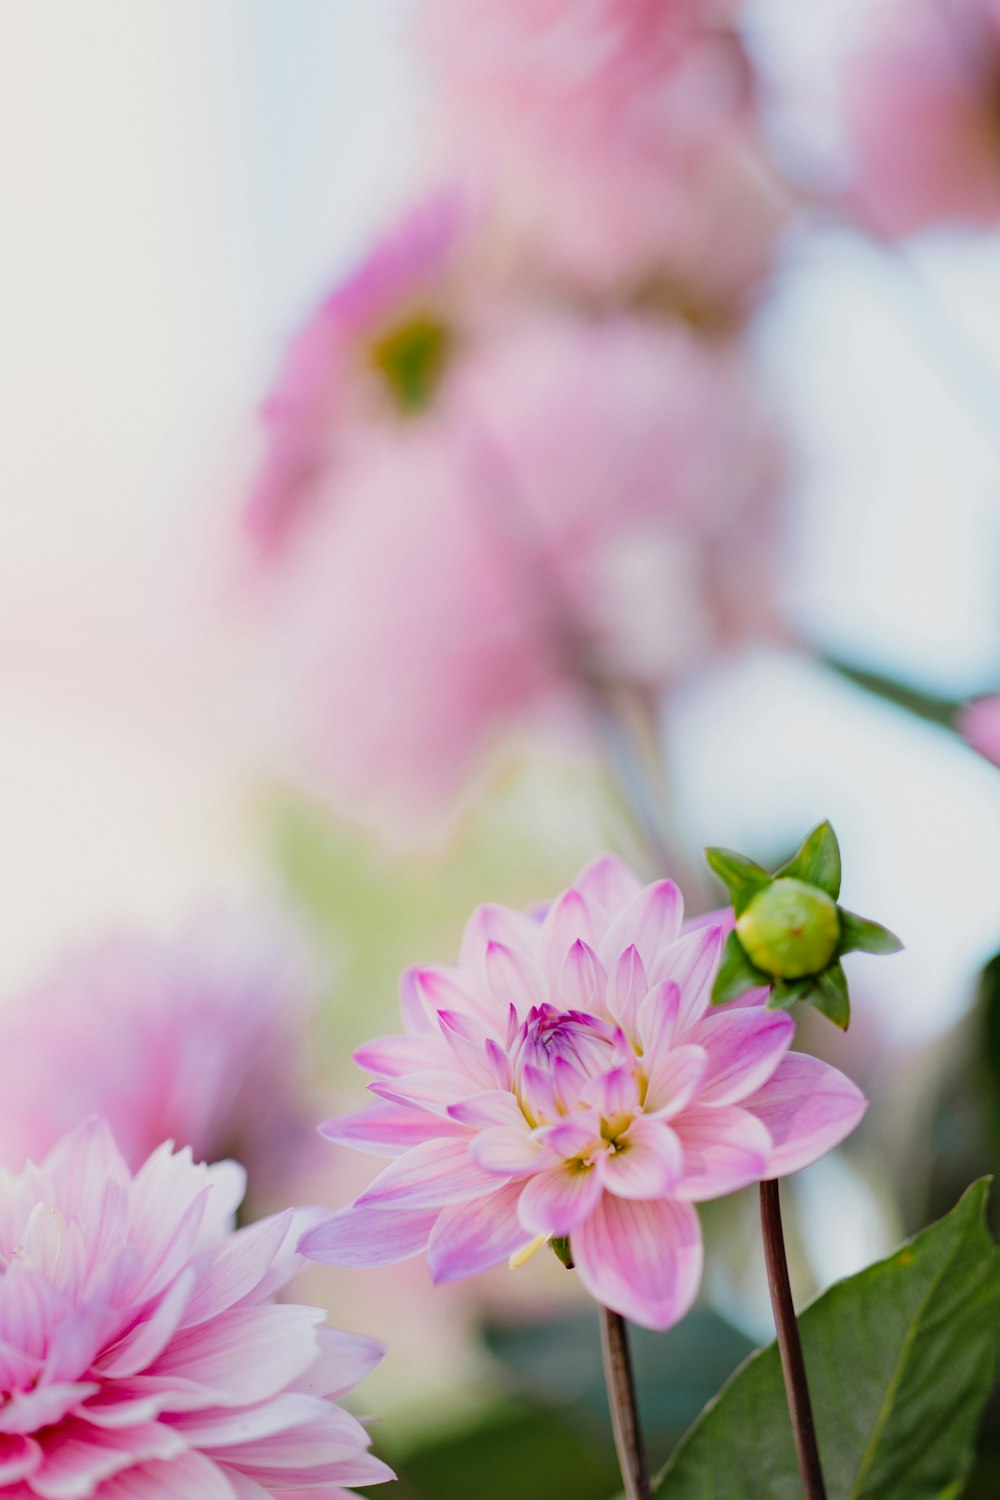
(141, 1354)
(921, 105)
(194, 1038)
(979, 723)
(567, 1078)
(587, 500)
(370, 352)
(619, 139)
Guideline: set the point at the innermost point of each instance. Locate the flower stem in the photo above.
(624, 1408)
(792, 1363)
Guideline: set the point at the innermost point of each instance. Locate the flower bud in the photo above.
(790, 929)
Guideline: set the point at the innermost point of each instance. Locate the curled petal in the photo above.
(647, 1163)
(568, 919)
(650, 923)
(744, 1048)
(582, 981)
(507, 1149)
(691, 963)
(513, 979)
(627, 987)
(642, 1260)
(674, 1079)
(808, 1108)
(608, 884)
(557, 1200)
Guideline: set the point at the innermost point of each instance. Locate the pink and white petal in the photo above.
(568, 919)
(557, 1200)
(216, 1427)
(627, 987)
(725, 1148)
(575, 1137)
(492, 1107)
(343, 1361)
(20, 1456)
(454, 988)
(433, 1091)
(613, 1093)
(507, 1150)
(609, 885)
(238, 1267)
(415, 1008)
(245, 1355)
(472, 1237)
(674, 1079)
(387, 1129)
(650, 923)
(190, 1475)
(691, 963)
(744, 1048)
(76, 1458)
(647, 1163)
(392, 1056)
(496, 924)
(657, 1018)
(643, 1260)
(25, 1412)
(582, 980)
(466, 1039)
(808, 1108)
(368, 1236)
(431, 1175)
(513, 978)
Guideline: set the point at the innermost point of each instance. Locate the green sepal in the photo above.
(788, 992)
(857, 934)
(736, 973)
(816, 861)
(830, 996)
(742, 877)
(561, 1250)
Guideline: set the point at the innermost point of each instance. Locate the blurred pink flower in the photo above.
(979, 723)
(567, 1079)
(587, 500)
(142, 1355)
(921, 104)
(619, 138)
(372, 350)
(196, 1039)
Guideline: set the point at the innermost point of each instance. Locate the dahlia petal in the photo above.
(494, 1107)
(647, 1164)
(514, 979)
(690, 963)
(472, 1237)
(332, 1436)
(466, 1038)
(582, 980)
(76, 1459)
(808, 1108)
(725, 1148)
(216, 1427)
(657, 1018)
(674, 1079)
(613, 1093)
(650, 923)
(238, 1268)
(386, 1129)
(433, 1174)
(190, 1476)
(343, 1360)
(246, 1354)
(496, 924)
(19, 1457)
(560, 1198)
(455, 989)
(433, 1091)
(507, 1149)
(568, 919)
(627, 987)
(77, 1339)
(17, 1368)
(744, 1048)
(393, 1056)
(642, 1260)
(608, 884)
(368, 1236)
(575, 1137)
(143, 1343)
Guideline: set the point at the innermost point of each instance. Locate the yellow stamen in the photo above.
(519, 1257)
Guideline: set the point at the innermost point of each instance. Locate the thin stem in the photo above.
(624, 1408)
(792, 1363)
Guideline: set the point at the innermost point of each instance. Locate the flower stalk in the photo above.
(793, 1366)
(620, 1382)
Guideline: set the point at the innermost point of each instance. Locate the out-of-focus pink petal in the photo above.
(642, 1260)
(432, 1174)
(647, 1164)
(556, 1200)
(675, 1078)
(650, 923)
(369, 1236)
(387, 1129)
(808, 1108)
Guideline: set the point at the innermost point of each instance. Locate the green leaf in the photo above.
(736, 973)
(788, 992)
(817, 861)
(830, 996)
(741, 876)
(900, 1358)
(857, 934)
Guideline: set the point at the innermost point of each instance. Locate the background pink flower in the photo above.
(142, 1355)
(921, 106)
(980, 725)
(588, 501)
(619, 140)
(195, 1038)
(568, 1079)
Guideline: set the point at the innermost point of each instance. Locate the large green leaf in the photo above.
(900, 1358)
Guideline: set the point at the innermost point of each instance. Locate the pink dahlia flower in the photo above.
(979, 724)
(619, 137)
(921, 102)
(195, 1038)
(141, 1355)
(567, 1079)
(373, 350)
(588, 500)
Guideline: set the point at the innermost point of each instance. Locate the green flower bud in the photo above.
(790, 929)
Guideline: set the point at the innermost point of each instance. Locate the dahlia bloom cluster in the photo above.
(141, 1353)
(194, 1038)
(568, 1080)
(618, 139)
(920, 97)
(586, 500)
